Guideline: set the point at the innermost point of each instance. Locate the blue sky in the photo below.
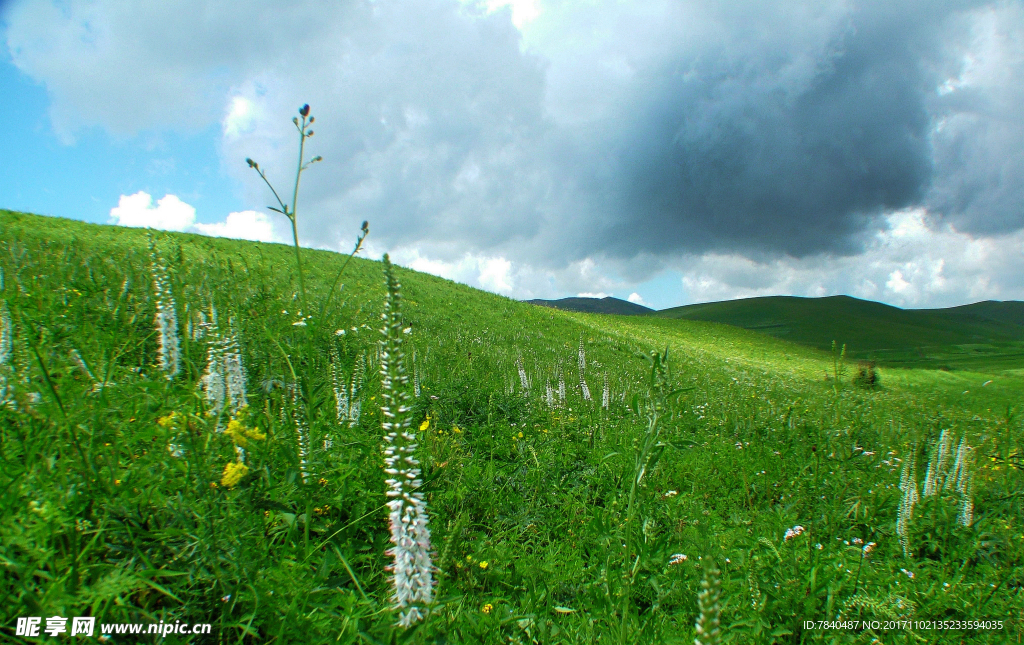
(667, 152)
(83, 179)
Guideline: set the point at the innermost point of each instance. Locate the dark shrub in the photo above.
(867, 375)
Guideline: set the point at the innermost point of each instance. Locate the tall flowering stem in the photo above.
(166, 317)
(6, 344)
(709, 605)
(583, 366)
(908, 499)
(412, 575)
(287, 210)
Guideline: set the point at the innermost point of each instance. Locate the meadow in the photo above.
(588, 478)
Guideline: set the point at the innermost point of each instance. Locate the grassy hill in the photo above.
(607, 305)
(989, 334)
(579, 490)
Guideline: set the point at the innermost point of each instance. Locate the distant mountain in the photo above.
(607, 305)
(869, 329)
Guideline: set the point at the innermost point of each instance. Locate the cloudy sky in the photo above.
(668, 152)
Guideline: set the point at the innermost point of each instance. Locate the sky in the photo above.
(667, 152)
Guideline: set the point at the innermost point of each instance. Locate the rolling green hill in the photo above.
(989, 333)
(585, 476)
(608, 305)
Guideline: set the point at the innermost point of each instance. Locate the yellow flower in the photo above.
(240, 433)
(483, 565)
(234, 473)
(117, 482)
(487, 608)
(425, 424)
(456, 429)
(520, 435)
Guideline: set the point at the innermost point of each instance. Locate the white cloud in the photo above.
(169, 214)
(240, 118)
(172, 214)
(919, 263)
(587, 294)
(495, 274)
(245, 225)
(523, 11)
(636, 299)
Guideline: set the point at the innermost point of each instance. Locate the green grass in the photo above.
(577, 511)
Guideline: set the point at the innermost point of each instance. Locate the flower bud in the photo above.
(304, 110)
(311, 119)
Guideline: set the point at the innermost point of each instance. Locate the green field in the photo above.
(981, 336)
(554, 518)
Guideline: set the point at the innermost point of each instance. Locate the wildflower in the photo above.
(671, 493)
(483, 564)
(677, 558)
(6, 333)
(234, 472)
(340, 390)
(908, 484)
(408, 518)
(605, 394)
(488, 608)
(166, 317)
(415, 376)
(240, 433)
(793, 532)
(234, 372)
(868, 548)
(710, 609)
(909, 574)
(937, 466)
(213, 382)
(524, 383)
(966, 489)
(583, 367)
(301, 433)
(355, 402)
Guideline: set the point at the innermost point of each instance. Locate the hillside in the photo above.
(583, 476)
(607, 305)
(984, 332)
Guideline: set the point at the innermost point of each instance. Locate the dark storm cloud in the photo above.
(979, 135)
(726, 157)
(640, 131)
